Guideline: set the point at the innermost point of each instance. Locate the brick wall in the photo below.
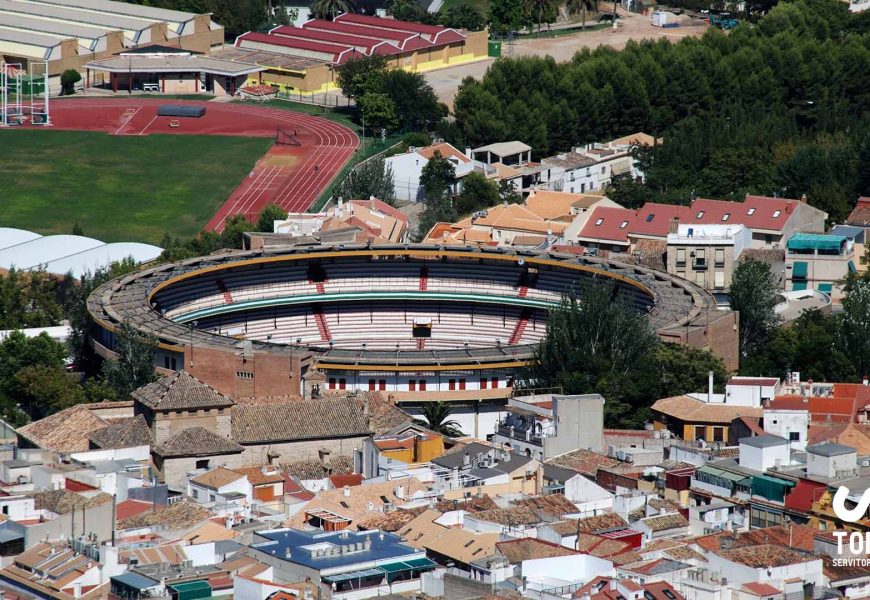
(263, 374)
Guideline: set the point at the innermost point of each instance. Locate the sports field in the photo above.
(117, 187)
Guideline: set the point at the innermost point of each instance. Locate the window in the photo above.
(165, 362)
(794, 436)
(776, 214)
(649, 218)
(700, 214)
(342, 383)
(588, 172)
(461, 384)
(211, 497)
(681, 274)
(623, 225)
(720, 256)
(412, 385)
(700, 432)
(582, 188)
(371, 385)
(719, 280)
(422, 385)
(202, 464)
(494, 382)
(681, 256)
(451, 384)
(701, 256)
(726, 216)
(603, 170)
(598, 222)
(483, 383)
(331, 384)
(195, 495)
(701, 278)
(718, 434)
(244, 374)
(572, 176)
(768, 238)
(750, 212)
(382, 384)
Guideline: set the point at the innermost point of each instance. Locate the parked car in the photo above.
(608, 18)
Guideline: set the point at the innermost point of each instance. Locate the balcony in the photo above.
(519, 435)
(699, 265)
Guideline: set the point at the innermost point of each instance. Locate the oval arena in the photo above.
(418, 323)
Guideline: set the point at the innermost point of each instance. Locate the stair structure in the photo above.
(520, 328)
(322, 325)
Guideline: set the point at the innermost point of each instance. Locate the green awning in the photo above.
(826, 287)
(189, 586)
(421, 563)
(815, 241)
(852, 268)
(799, 271)
(798, 286)
(394, 567)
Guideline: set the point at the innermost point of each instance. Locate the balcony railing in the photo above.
(523, 436)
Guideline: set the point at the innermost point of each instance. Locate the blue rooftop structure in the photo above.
(345, 557)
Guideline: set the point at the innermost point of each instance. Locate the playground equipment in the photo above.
(723, 21)
(24, 95)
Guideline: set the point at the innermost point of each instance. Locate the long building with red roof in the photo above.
(303, 60)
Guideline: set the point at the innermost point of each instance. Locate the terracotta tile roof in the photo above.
(64, 431)
(596, 545)
(665, 522)
(601, 523)
(552, 205)
(315, 469)
(77, 486)
(684, 554)
(346, 479)
(847, 434)
(311, 419)
(180, 391)
(657, 590)
(822, 409)
(860, 215)
(518, 515)
(583, 461)
(763, 209)
(167, 554)
(654, 219)
(758, 588)
(625, 558)
(460, 545)
(794, 536)
(471, 505)
(765, 555)
(196, 441)
(124, 434)
(651, 253)
(385, 416)
(216, 478)
(552, 504)
(665, 544)
(518, 218)
(264, 475)
(607, 224)
(209, 532)
(640, 139)
(391, 521)
(131, 508)
(446, 150)
(768, 256)
(754, 425)
(62, 502)
(516, 551)
(656, 566)
(688, 409)
(173, 516)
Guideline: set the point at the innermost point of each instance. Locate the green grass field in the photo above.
(119, 188)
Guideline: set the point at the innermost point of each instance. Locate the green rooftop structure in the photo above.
(190, 590)
(816, 243)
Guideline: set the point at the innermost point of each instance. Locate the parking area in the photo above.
(445, 82)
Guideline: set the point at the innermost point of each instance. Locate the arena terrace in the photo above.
(413, 321)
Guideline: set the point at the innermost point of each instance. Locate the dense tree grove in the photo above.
(777, 108)
(596, 343)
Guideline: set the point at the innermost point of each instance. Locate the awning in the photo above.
(815, 241)
(421, 563)
(852, 268)
(798, 286)
(826, 287)
(799, 271)
(361, 574)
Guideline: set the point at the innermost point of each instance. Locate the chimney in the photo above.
(865, 381)
(77, 589)
(613, 585)
(674, 225)
(803, 198)
(399, 492)
(468, 151)
(709, 386)
(466, 459)
(346, 491)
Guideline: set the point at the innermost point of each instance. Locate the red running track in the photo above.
(286, 175)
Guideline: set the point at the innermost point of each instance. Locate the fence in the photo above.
(333, 99)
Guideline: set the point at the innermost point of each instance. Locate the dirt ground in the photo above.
(630, 27)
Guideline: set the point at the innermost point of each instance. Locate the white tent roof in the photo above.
(9, 236)
(102, 256)
(62, 254)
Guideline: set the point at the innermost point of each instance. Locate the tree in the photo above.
(404, 10)
(855, 324)
(507, 16)
(77, 229)
(543, 10)
(46, 390)
(269, 214)
(508, 193)
(17, 353)
(436, 416)
(682, 369)
(234, 228)
(415, 103)
(378, 110)
(374, 177)
(437, 177)
(753, 295)
(465, 16)
(133, 366)
(359, 75)
(329, 9)
(575, 7)
(477, 192)
(68, 81)
(439, 209)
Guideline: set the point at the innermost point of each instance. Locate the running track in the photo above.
(285, 176)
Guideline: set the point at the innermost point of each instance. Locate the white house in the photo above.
(408, 168)
(831, 461)
(225, 492)
(764, 452)
(669, 525)
(789, 424)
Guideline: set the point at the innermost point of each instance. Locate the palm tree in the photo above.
(403, 10)
(329, 9)
(437, 419)
(539, 8)
(573, 7)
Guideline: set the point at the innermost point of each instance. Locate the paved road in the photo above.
(445, 82)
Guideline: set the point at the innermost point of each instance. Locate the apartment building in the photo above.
(707, 254)
(819, 262)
